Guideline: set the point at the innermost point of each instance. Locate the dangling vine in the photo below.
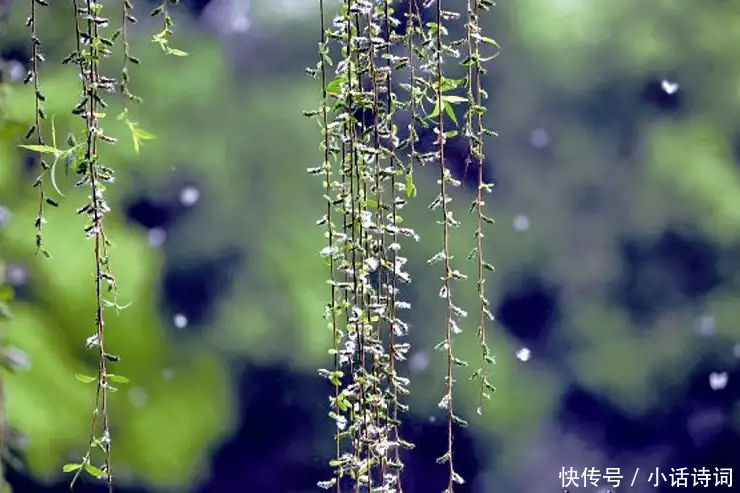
(359, 116)
(474, 133)
(39, 117)
(453, 313)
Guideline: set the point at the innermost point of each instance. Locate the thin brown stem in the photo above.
(332, 267)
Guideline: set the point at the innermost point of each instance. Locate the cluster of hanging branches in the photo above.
(98, 41)
(385, 74)
(376, 72)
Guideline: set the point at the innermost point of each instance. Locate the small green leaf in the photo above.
(43, 149)
(410, 187)
(85, 378)
(116, 378)
(488, 41)
(53, 175)
(342, 403)
(336, 378)
(138, 134)
(436, 110)
(71, 467)
(454, 99)
(450, 112)
(94, 471)
(176, 52)
(334, 87)
(449, 84)
(143, 134)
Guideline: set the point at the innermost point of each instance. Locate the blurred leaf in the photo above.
(85, 378)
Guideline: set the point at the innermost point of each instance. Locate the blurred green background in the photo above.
(616, 248)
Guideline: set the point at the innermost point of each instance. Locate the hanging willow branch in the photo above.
(454, 314)
(84, 156)
(474, 133)
(39, 115)
(365, 405)
(91, 48)
(359, 116)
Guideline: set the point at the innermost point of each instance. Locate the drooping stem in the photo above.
(333, 309)
(124, 84)
(446, 249)
(90, 51)
(39, 115)
(474, 133)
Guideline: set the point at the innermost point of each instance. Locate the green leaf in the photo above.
(450, 112)
(176, 52)
(488, 41)
(53, 175)
(449, 84)
(116, 378)
(342, 403)
(94, 471)
(138, 134)
(334, 87)
(43, 149)
(410, 187)
(71, 467)
(143, 134)
(454, 99)
(336, 378)
(85, 378)
(436, 110)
